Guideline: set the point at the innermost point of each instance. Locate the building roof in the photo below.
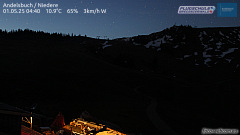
(112, 132)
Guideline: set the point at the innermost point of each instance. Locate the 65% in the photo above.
(72, 11)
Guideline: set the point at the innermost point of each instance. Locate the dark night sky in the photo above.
(124, 17)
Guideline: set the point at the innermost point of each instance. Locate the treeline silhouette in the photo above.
(37, 35)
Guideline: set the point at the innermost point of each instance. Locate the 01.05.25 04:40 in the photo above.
(21, 11)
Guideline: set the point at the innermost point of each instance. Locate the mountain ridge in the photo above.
(185, 47)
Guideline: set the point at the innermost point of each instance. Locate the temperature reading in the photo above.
(54, 11)
(72, 11)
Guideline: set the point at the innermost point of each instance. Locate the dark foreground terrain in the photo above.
(128, 80)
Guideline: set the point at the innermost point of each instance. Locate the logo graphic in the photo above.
(196, 9)
(227, 9)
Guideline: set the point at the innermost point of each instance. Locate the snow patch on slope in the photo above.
(230, 50)
(221, 33)
(207, 60)
(186, 56)
(155, 43)
(205, 55)
(105, 44)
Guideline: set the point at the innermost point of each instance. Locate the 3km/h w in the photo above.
(95, 11)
